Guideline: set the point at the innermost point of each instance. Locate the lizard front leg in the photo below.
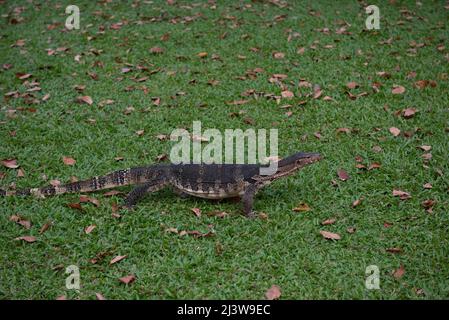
(140, 191)
(248, 200)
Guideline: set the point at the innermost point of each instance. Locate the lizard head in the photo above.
(295, 162)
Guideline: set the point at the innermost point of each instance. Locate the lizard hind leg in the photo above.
(140, 191)
(248, 200)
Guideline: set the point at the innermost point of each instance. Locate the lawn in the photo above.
(367, 100)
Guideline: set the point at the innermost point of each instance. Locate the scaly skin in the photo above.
(210, 181)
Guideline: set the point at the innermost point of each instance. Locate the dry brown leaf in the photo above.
(196, 211)
(401, 194)
(352, 85)
(10, 163)
(399, 272)
(302, 207)
(84, 199)
(89, 229)
(29, 239)
(127, 279)
(328, 221)
(357, 202)
(345, 130)
(374, 165)
(394, 131)
(68, 161)
(273, 293)
(330, 235)
(202, 54)
(156, 50)
(397, 89)
(351, 230)
(427, 186)
(76, 206)
(342, 175)
(317, 93)
(85, 99)
(117, 259)
(287, 94)
(45, 227)
(425, 148)
(278, 55)
(409, 113)
(99, 296)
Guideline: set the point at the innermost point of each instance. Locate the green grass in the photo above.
(245, 257)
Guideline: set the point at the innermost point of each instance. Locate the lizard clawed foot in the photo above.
(251, 215)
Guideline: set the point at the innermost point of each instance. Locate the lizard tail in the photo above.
(111, 180)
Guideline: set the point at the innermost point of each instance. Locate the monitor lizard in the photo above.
(210, 181)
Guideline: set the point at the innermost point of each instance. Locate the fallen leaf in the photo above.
(429, 203)
(302, 207)
(328, 221)
(156, 50)
(10, 163)
(421, 84)
(29, 239)
(330, 235)
(278, 55)
(287, 94)
(345, 130)
(352, 85)
(377, 149)
(427, 156)
(99, 296)
(84, 199)
(351, 230)
(427, 186)
(401, 194)
(399, 272)
(273, 293)
(45, 227)
(89, 229)
(172, 230)
(85, 99)
(397, 89)
(140, 132)
(395, 131)
(68, 161)
(19, 220)
(202, 54)
(317, 93)
(425, 148)
(342, 174)
(374, 165)
(117, 259)
(409, 113)
(357, 202)
(127, 279)
(76, 206)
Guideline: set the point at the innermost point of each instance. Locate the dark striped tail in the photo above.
(111, 180)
